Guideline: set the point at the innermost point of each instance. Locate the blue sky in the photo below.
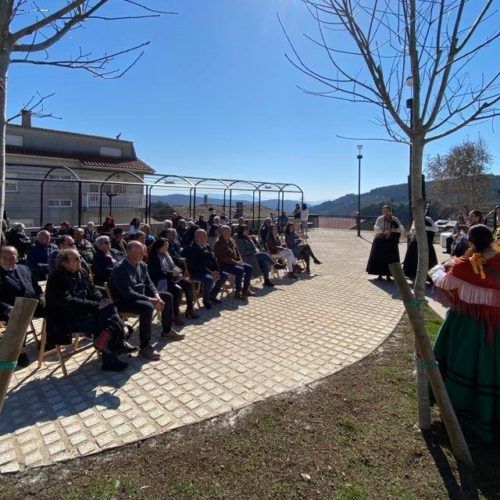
(214, 95)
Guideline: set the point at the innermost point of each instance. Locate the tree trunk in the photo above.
(424, 413)
(12, 341)
(4, 65)
(429, 365)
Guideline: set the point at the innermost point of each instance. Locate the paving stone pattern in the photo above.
(232, 356)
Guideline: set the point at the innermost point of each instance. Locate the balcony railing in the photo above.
(120, 200)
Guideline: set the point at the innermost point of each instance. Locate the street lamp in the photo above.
(358, 215)
(110, 196)
(409, 105)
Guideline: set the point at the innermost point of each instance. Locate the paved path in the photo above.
(283, 339)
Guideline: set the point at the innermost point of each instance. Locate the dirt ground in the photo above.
(351, 436)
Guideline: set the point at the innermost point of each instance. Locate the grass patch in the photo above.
(433, 322)
(353, 436)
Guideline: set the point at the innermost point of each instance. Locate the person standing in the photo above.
(304, 220)
(467, 346)
(411, 258)
(385, 246)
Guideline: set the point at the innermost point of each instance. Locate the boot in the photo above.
(316, 261)
(247, 293)
(268, 282)
(291, 275)
(111, 363)
(191, 314)
(177, 320)
(239, 296)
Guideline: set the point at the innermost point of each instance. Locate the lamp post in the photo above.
(358, 214)
(110, 196)
(409, 105)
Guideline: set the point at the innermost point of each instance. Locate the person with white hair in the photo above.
(104, 260)
(167, 224)
(39, 255)
(16, 237)
(134, 292)
(90, 232)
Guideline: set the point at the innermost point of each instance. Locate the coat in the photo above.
(22, 284)
(64, 307)
(226, 252)
(200, 260)
(248, 250)
(156, 272)
(38, 259)
(103, 265)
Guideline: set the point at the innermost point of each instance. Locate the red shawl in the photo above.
(470, 292)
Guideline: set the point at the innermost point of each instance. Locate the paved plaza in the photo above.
(234, 355)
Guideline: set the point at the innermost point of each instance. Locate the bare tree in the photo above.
(373, 50)
(461, 176)
(28, 31)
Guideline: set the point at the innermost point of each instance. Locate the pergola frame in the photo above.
(165, 181)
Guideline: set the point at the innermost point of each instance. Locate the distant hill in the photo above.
(183, 200)
(396, 194)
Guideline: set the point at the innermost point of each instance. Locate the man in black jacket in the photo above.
(134, 292)
(74, 304)
(203, 267)
(17, 281)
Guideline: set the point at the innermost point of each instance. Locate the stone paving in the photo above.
(232, 356)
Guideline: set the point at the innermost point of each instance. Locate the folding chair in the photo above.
(196, 286)
(75, 348)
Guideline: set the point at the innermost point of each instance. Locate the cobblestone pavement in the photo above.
(232, 356)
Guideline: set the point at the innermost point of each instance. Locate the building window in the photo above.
(60, 203)
(114, 188)
(11, 187)
(115, 152)
(63, 177)
(94, 188)
(14, 140)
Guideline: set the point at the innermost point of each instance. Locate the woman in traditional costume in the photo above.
(385, 251)
(411, 257)
(467, 347)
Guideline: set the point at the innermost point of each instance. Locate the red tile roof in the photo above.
(100, 162)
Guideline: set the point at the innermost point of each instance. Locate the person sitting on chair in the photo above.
(104, 260)
(65, 242)
(229, 258)
(276, 248)
(167, 224)
(252, 255)
(90, 233)
(203, 267)
(299, 249)
(17, 281)
(17, 238)
(167, 276)
(65, 229)
(74, 304)
(213, 235)
(150, 238)
(264, 230)
(174, 248)
(39, 255)
(84, 247)
(117, 241)
(134, 292)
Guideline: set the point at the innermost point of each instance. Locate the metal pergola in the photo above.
(158, 181)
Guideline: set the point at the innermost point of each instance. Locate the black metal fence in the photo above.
(342, 222)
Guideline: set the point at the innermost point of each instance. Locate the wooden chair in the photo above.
(74, 348)
(196, 286)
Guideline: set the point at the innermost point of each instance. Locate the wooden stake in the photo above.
(424, 350)
(11, 342)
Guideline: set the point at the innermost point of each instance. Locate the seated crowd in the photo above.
(94, 277)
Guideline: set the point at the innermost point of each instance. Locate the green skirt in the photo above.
(471, 371)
